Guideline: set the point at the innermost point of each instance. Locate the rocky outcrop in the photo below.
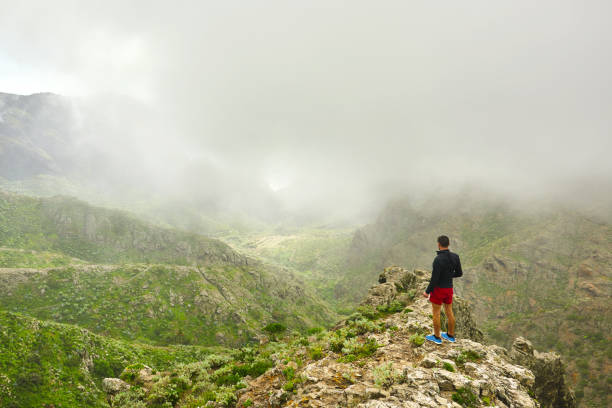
(551, 387)
(113, 386)
(399, 284)
(404, 371)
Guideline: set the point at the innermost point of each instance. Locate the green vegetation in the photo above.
(385, 376)
(316, 255)
(542, 273)
(225, 299)
(316, 353)
(47, 363)
(448, 367)
(291, 380)
(393, 307)
(467, 355)
(215, 378)
(218, 377)
(118, 276)
(466, 398)
(20, 258)
(161, 304)
(73, 228)
(353, 349)
(273, 329)
(417, 339)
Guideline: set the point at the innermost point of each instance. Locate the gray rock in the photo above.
(551, 386)
(429, 362)
(114, 386)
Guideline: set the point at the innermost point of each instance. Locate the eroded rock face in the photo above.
(551, 387)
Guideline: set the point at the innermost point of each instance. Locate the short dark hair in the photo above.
(443, 241)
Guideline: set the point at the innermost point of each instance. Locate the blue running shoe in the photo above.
(433, 338)
(445, 336)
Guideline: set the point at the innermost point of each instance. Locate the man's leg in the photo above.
(450, 317)
(436, 318)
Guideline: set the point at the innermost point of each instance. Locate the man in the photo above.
(446, 266)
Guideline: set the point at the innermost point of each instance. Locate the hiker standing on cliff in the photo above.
(446, 266)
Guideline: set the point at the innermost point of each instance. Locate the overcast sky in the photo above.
(338, 99)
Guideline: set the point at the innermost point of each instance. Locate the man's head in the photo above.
(443, 242)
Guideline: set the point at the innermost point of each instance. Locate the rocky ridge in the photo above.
(404, 371)
(541, 270)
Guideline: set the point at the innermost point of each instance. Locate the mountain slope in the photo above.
(163, 304)
(75, 228)
(543, 273)
(44, 364)
(35, 135)
(178, 287)
(316, 255)
(375, 358)
(51, 144)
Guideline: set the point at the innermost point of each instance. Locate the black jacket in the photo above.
(446, 266)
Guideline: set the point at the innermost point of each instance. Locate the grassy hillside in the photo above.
(29, 258)
(163, 304)
(74, 228)
(376, 357)
(45, 364)
(544, 273)
(317, 255)
(121, 276)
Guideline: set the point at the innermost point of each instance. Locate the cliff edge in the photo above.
(405, 371)
(376, 358)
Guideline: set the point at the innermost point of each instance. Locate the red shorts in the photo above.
(441, 295)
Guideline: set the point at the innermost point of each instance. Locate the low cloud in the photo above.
(331, 105)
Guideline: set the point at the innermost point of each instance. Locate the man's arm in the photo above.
(458, 271)
(435, 276)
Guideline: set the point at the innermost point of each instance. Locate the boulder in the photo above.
(551, 386)
(114, 386)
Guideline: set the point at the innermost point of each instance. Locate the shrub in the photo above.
(363, 326)
(385, 376)
(354, 350)
(258, 367)
(336, 342)
(467, 355)
(448, 367)
(393, 307)
(314, 330)
(226, 397)
(368, 312)
(274, 328)
(417, 339)
(292, 380)
(348, 377)
(315, 353)
(289, 373)
(162, 393)
(130, 372)
(411, 294)
(289, 386)
(104, 368)
(227, 375)
(465, 397)
(215, 361)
